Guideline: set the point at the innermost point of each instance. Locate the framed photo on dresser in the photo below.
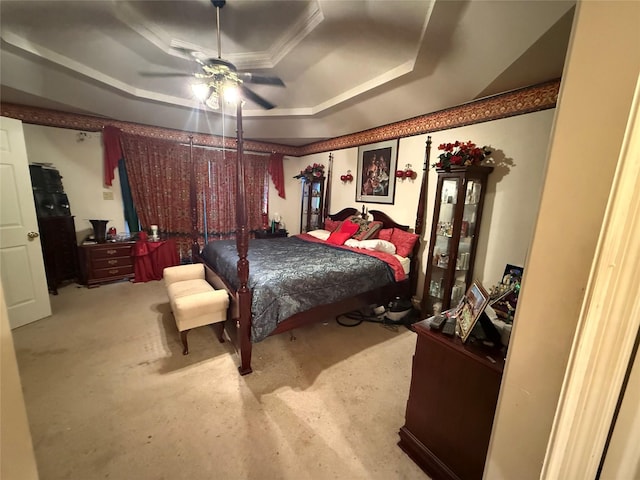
(471, 307)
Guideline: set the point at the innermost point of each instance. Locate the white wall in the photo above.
(80, 164)
(18, 461)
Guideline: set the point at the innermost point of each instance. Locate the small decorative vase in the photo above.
(99, 230)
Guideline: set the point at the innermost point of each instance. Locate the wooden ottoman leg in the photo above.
(183, 337)
(219, 329)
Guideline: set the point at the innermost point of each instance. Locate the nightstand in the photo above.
(270, 234)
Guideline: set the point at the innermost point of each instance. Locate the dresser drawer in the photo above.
(97, 263)
(111, 252)
(113, 272)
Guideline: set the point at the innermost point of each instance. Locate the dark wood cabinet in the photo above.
(311, 217)
(454, 236)
(59, 250)
(106, 262)
(452, 401)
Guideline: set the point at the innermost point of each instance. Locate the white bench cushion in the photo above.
(180, 273)
(193, 300)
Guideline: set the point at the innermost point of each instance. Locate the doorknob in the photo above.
(33, 234)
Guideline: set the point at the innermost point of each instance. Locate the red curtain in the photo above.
(112, 152)
(160, 178)
(276, 170)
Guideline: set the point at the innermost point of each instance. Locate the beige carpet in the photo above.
(109, 395)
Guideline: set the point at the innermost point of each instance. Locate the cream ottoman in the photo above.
(193, 300)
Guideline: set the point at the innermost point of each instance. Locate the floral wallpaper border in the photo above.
(517, 102)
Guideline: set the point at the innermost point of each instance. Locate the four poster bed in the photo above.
(302, 279)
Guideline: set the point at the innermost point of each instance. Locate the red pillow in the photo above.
(331, 225)
(404, 241)
(338, 238)
(349, 226)
(344, 233)
(385, 234)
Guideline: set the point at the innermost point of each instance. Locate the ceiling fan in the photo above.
(220, 79)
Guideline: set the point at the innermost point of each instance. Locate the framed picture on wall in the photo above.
(376, 179)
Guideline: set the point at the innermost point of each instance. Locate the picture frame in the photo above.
(512, 274)
(471, 307)
(376, 176)
(506, 303)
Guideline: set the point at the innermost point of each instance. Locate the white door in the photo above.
(21, 266)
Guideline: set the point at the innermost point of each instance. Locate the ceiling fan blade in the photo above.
(165, 74)
(260, 79)
(254, 97)
(186, 51)
(194, 55)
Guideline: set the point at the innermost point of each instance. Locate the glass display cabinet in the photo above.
(312, 205)
(454, 236)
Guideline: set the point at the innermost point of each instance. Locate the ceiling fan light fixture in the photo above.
(231, 94)
(200, 90)
(219, 80)
(213, 102)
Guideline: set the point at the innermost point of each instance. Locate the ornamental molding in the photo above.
(509, 104)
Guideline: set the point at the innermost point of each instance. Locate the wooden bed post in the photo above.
(193, 200)
(420, 215)
(242, 245)
(327, 192)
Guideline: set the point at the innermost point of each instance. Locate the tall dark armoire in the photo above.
(56, 225)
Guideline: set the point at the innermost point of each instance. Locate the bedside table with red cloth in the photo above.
(151, 258)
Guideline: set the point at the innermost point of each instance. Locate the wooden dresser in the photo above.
(59, 250)
(452, 401)
(106, 262)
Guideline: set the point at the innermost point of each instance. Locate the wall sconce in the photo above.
(406, 173)
(347, 178)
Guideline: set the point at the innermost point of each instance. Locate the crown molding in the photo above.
(509, 104)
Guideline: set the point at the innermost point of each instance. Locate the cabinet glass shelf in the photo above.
(456, 222)
(312, 205)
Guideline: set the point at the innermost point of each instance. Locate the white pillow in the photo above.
(320, 234)
(373, 244)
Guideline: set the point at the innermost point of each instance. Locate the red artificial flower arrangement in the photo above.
(461, 153)
(311, 173)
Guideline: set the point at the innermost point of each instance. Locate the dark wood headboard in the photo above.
(377, 215)
(343, 214)
(387, 222)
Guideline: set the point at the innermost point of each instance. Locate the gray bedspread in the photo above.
(290, 275)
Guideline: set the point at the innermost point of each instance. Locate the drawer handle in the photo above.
(114, 271)
(112, 262)
(111, 252)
